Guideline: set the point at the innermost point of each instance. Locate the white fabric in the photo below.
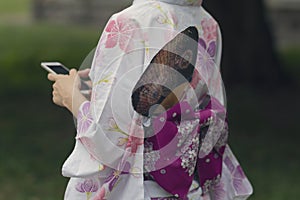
(128, 43)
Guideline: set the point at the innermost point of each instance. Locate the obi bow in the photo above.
(186, 144)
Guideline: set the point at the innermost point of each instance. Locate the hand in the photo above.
(63, 87)
(84, 76)
(66, 91)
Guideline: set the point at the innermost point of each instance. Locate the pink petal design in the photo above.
(89, 185)
(229, 164)
(121, 31)
(210, 29)
(112, 37)
(196, 79)
(100, 195)
(84, 118)
(211, 50)
(79, 188)
(202, 44)
(112, 40)
(112, 183)
(239, 173)
(111, 27)
(219, 191)
(134, 143)
(124, 40)
(122, 23)
(239, 186)
(127, 167)
(206, 63)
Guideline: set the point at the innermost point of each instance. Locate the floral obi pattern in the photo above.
(182, 141)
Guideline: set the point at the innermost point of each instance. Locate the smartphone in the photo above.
(58, 68)
(55, 67)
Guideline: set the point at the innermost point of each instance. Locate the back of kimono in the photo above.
(156, 124)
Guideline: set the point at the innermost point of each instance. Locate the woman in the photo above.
(156, 126)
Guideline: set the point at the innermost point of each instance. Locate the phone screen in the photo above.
(58, 69)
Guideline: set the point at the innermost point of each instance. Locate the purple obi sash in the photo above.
(184, 141)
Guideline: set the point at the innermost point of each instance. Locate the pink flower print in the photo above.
(229, 164)
(196, 79)
(210, 29)
(134, 143)
(238, 176)
(210, 49)
(121, 31)
(136, 137)
(84, 118)
(114, 177)
(206, 60)
(219, 192)
(89, 186)
(100, 195)
(239, 173)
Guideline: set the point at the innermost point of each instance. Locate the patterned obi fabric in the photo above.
(183, 144)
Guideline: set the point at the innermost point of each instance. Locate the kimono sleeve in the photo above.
(105, 123)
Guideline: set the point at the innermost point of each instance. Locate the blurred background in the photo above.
(261, 68)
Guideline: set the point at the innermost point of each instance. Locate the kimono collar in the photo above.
(177, 2)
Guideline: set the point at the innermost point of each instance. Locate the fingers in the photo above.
(54, 77)
(54, 86)
(56, 98)
(89, 83)
(51, 77)
(62, 86)
(85, 79)
(84, 74)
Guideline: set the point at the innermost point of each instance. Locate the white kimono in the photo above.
(108, 160)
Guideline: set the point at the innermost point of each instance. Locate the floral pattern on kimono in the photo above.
(108, 160)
